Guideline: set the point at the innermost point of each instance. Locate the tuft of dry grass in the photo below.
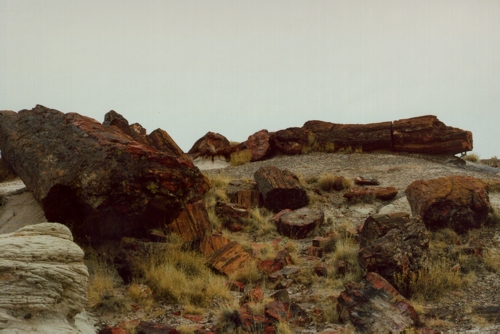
(259, 222)
(102, 290)
(491, 260)
(249, 275)
(282, 327)
(182, 277)
(493, 185)
(472, 157)
(240, 158)
(327, 181)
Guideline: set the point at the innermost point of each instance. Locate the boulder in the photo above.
(375, 306)
(402, 246)
(456, 202)
(43, 282)
(95, 178)
(366, 194)
(259, 145)
(210, 145)
(291, 141)
(299, 223)
(280, 189)
(426, 134)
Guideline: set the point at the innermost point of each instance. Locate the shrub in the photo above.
(327, 181)
(472, 157)
(240, 158)
(101, 290)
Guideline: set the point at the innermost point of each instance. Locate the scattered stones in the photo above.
(375, 306)
(369, 194)
(299, 223)
(457, 202)
(280, 189)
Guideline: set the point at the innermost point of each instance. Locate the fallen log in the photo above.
(95, 178)
(280, 189)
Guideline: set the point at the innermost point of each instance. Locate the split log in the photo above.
(367, 194)
(94, 178)
(457, 202)
(244, 193)
(426, 134)
(375, 306)
(280, 189)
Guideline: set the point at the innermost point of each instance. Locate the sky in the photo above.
(236, 67)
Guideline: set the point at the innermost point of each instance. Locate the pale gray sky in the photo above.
(236, 67)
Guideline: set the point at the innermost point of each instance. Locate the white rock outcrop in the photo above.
(43, 281)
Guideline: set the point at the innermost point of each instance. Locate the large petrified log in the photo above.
(291, 141)
(375, 306)
(368, 137)
(95, 178)
(280, 189)
(456, 202)
(426, 134)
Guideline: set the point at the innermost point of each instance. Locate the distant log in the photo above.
(426, 134)
(280, 189)
(95, 178)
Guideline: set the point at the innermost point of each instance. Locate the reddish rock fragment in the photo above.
(254, 295)
(339, 183)
(315, 251)
(244, 193)
(269, 266)
(208, 244)
(382, 193)
(299, 223)
(230, 259)
(321, 270)
(192, 223)
(362, 181)
(282, 311)
(375, 306)
(457, 202)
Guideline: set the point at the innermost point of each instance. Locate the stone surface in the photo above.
(291, 141)
(43, 282)
(456, 202)
(192, 223)
(299, 223)
(402, 246)
(280, 189)
(210, 145)
(259, 145)
(363, 194)
(375, 306)
(94, 178)
(426, 134)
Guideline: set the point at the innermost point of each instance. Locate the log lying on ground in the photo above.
(95, 178)
(426, 134)
(456, 202)
(280, 189)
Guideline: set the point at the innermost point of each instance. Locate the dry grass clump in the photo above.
(259, 222)
(282, 327)
(491, 260)
(249, 275)
(182, 277)
(240, 158)
(493, 185)
(102, 289)
(472, 157)
(327, 181)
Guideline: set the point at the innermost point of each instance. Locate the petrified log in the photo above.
(94, 178)
(378, 225)
(192, 222)
(375, 306)
(426, 134)
(211, 145)
(366, 194)
(402, 249)
(291, 141)
(244, 193)
(299, 223)
(456, 202)
(230, 259)
(280, 189)
(368, 137)
(259, 145)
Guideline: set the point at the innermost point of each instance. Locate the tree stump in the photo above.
(280, 189)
